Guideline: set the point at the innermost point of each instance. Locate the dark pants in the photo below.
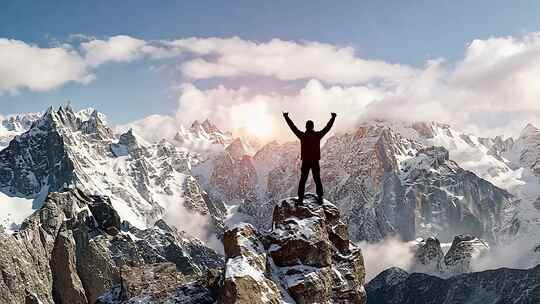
(312, 165)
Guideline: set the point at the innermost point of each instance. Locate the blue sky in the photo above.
(404, 32)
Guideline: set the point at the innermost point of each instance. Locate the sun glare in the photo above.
(252, 119)
(259, 125)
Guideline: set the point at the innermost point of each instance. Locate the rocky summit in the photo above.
(306, 258)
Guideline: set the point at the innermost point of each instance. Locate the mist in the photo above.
(192, 223)
(390, 252)
(393, 252)
(518, 253)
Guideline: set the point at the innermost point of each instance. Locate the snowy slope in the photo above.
(145, 181)
(477, 154)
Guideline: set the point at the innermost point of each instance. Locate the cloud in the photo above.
(491, 91)
(515, 253)
(284, 60)
(118, 48)
(236, 109)
(39, 69)
(390, 252)
(243, 110)
(192, 223)
(153, 127)
(28, 66)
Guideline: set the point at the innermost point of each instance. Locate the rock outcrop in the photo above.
(464, 249)
(517, 286)
(306, 258)
(428, 256)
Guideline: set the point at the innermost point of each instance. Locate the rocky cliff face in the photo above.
(306, 258)
(73, 248)
(450, 200)
(492, 287)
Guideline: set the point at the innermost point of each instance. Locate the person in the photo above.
(310, 142)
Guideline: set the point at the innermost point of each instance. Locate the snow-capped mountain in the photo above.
(387, 178)
(202, 137)
(65, 149)
(508, 163)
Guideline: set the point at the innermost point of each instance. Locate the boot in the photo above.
(298, 201)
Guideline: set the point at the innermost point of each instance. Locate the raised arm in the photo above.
(295, 130)
(328, 125)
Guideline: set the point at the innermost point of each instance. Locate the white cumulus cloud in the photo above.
(285, 60)
(28, 66)
(118, 48)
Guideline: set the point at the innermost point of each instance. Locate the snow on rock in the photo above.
(245, 269)
(306, 258)
(464, 250)
(428, 256)
(13, 125)
(230, 174)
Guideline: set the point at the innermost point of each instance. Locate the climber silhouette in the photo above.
(310, 142)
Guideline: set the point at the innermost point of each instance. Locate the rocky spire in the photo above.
(209, 127)
(95, 125)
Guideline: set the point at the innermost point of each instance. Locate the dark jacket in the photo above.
(310, 140)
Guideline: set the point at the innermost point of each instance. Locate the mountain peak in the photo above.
(49, 111)
(195, 125)
(207, 126)
(210, 127)
(236, 149)
(529, 130)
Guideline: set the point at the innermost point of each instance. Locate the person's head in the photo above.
(309, 125)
